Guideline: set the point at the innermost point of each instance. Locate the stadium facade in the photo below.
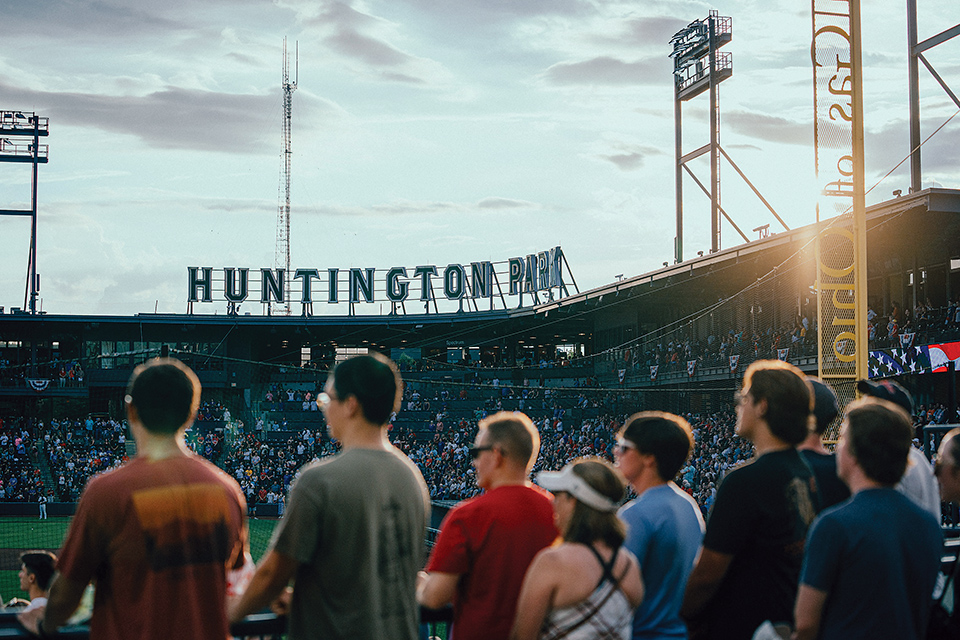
(680, 336)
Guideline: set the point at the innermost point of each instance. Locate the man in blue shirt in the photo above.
(871, 562)
(664, 525)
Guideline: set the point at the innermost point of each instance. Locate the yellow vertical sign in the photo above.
(841, 242)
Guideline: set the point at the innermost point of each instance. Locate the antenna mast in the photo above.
(283, 210)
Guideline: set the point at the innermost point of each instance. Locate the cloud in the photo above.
(505, 203)
(87, 20)
(650, 32)
(366, 49)
(240, 206)
(425, 207)
(498, 11)
(606, 70)
(743, 147)
(626, 161)
(364, 38)
(770, 128)
(174, 118)
(887, 146)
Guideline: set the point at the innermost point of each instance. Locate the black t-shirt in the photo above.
(760, 517)
(830, 489)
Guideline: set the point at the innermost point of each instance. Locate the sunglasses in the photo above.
(476, 451)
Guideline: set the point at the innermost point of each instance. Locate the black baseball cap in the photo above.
(887, 390)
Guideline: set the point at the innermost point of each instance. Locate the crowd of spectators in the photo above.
(280, 398)
(20, 480)
(437, 424)
(212, 410)
(926, 323)
(265, 469)
(77, 449)
(443, 455)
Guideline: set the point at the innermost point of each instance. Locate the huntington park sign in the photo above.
(538, 272)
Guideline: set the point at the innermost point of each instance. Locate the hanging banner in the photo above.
(906, 340)
(782, 354)
(838, 153)
(37, 384)
(734, 361)
(653, 371)
(691, 367)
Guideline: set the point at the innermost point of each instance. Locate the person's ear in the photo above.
(762, 408)
(649, 460)
(132, 415)
(353, 406)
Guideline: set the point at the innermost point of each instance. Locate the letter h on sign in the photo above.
(204, 282)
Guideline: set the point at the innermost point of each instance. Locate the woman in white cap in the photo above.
(587, 586)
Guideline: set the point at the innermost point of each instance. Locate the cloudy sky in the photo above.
(424, 132)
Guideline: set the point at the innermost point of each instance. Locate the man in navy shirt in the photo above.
(871, 562)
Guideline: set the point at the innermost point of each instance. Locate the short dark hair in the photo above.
(165, 393)
(374, 381)
(516, 435)
(825, 405)
(788, 396)
(41, 564)
(587, 525)
(668, 438)
(879, 434)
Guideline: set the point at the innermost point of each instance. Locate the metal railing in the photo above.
(265, 626)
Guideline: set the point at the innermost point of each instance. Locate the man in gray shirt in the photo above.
(352, 535)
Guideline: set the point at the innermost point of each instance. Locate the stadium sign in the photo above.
(531, 274)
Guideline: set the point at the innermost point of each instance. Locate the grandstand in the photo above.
(675, 339)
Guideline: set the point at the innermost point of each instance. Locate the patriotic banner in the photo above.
(941, 355)
(934, 358)
(37, 384)
(653, 371)
(884, 363)
(734, 361)
(906, 340)
(782, 354)
(691, 367)
(622, 373)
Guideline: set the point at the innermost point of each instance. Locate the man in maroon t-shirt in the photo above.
(486, 543)
(157, 535)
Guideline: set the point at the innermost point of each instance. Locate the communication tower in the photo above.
(283, 209)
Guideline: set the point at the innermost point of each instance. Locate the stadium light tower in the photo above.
(698, 66)
(14, 127)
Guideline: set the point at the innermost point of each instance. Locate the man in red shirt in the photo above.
(486, 543)
(159, 534)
